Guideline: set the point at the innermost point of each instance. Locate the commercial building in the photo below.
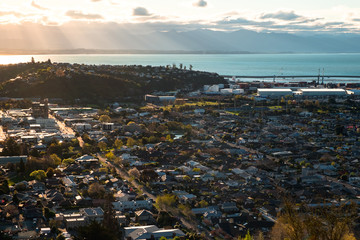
(274, 92)
(40, 109)
(316, 92)
(159, 99)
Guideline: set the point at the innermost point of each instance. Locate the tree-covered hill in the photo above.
(91, 82)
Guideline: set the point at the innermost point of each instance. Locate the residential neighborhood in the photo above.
(204, 166)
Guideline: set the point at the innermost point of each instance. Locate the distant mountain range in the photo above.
(98, 40)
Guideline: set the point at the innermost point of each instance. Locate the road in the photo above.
(124, 175)
(66, 130)
(2, 134)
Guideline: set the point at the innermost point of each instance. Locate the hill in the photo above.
(94, 83)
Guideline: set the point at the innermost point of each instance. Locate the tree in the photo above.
(11, 148)
(134, 173)
(38, 175)
(21, 166)
(166, 201)
(148, 175)
(4, 186)
(68, 161)
(323, 223)
(50, 172)
(55, 159)
(110, 222)
(118, 143)
(48, 213)
(110, 155)
(102, 146)
(104, 118)
(11, 210)
(203, 204)
(130, 142)
(96, 190)
(95, 231)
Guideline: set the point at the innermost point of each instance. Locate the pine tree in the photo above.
(110, 222)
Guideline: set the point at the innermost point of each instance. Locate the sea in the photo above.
(277, 65)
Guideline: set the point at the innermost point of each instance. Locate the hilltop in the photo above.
(97, 82)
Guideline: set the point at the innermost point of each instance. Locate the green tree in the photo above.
(11, 148)
(96, 190)
(102, 146)
(38, 175)
(68, 161)
(50, 172)
(48, 213)
(324, 223)
(166, 201)
(55, 159)
(21, 166)
(110, 222)
(130, 142)
(110, 155)
(247, 236)
(4, 186)
(118, 143)
(104, 118)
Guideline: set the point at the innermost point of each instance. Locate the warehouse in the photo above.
(274, 92)
(322, 92)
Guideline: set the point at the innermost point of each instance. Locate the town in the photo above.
(216, 162)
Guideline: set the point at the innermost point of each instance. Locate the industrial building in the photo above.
(159, 99)
(274, 92)
(315, 92)
(302, 92)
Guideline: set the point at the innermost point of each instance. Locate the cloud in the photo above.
(140, 11)
(80, 15)
(200, 3)
(35, 5)
(288, 16)
(7, 13)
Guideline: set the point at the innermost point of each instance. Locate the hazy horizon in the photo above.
(190, 25)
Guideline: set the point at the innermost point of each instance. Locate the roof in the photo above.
(274, 90)
(322, 90)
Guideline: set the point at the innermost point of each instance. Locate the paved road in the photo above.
(124, 175)
(2, 134)
(66, 130)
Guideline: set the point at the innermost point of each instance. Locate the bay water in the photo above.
(224, 64)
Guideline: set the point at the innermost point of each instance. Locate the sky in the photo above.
(333, 16)
(127, 24)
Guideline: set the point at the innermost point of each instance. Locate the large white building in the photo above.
(302, 92)
(274, 92)
(322, 92)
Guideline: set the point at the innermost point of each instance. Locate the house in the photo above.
(37, 186)
(144, 216)
(207, 177)
(229, 207)
(93, 214)
(150, 232)
(132, 205)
